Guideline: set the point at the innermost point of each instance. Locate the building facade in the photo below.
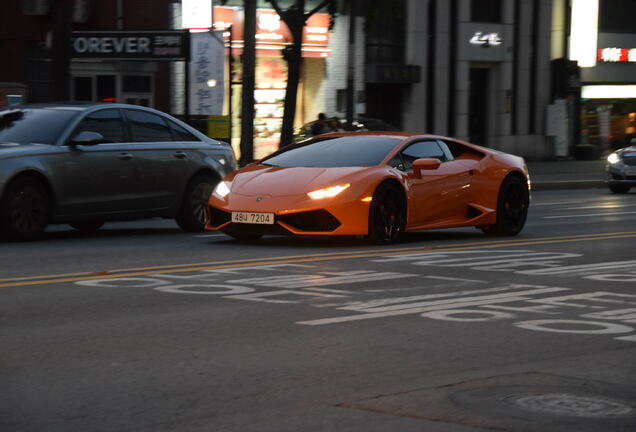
(484, 72)
(608, 86)
(36, 34)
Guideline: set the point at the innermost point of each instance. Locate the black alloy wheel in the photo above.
(195, 211)
(25, 210)
(619, 188)
(387, 214)
(87, 226)
(512, 208)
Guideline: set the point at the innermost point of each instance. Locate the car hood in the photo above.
(287, 181)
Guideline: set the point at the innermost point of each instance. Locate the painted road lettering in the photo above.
(453, 299)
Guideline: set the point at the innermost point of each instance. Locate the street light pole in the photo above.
(351, 62)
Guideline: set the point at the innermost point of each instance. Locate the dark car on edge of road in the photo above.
(88, 163)
(336, 124)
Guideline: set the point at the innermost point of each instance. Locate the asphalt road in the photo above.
(141, 327)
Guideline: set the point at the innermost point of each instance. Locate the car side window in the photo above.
(180, 133)
(422, 149)
(107, 122)
(147, 127)
(396, 162)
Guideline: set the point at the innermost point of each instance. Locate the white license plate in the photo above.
(253, 218)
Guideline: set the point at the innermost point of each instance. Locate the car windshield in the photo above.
(335, 152)
(29, 125)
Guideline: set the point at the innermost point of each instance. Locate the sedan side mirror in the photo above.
(88, 138)
(425, 164)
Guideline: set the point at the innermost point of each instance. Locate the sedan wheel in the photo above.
(25, 210)
(619, 189)
(386, 215)
(195, 212)
(512, 208)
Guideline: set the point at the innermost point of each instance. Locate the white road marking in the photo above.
(556, 203)
(423, 307)
(370, 305)
(210, 235)
(313, 280)
(588, 215)
(630, 338)
(456, 279)
(582, 268)
(600, 206)
(601, 327)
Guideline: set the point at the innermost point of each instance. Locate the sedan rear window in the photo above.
(335, 152)
(42, 126)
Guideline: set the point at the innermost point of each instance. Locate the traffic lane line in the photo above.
(295, 259)
(588, 215)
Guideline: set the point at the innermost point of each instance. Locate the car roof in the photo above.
(75, 106)
(395, 134)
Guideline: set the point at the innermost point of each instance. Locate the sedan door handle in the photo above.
(180, 155)
(126, 156)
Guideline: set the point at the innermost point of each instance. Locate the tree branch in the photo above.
(276, 7)
(317, 8)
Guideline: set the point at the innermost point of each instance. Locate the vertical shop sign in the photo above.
(207, 73)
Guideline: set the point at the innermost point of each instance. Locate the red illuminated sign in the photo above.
(272, 34)
(617, 55)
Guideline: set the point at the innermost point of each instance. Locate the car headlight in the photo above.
(613, 158)
(329, 192)
(222, 189)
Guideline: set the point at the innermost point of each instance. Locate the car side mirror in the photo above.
(425, 164)
(88, 138)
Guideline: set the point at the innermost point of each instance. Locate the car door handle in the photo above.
(180, 155)
(125, 156)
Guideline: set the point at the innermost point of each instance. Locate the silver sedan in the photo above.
(620, 169)
(85, 164)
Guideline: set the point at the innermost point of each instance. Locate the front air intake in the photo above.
(315, 220)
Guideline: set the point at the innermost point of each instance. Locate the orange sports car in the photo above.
(375, 184)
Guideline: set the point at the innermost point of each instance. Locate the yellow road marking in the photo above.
(295, 259)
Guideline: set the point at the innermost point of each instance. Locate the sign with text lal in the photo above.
(132, 45)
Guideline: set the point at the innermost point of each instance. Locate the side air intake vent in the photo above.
(472, 212)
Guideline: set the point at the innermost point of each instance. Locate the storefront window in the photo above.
(269, 103)
(609, 124)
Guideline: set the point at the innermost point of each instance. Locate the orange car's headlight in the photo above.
(222, 189)
(329, 192)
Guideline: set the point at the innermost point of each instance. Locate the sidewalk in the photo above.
(567, 174)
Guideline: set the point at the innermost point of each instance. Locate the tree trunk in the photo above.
(294, 62)
(247, 101)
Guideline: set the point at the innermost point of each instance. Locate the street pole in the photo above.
(351, 62)
(230, 66)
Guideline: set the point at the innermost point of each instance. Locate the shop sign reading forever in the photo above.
(137, 45)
